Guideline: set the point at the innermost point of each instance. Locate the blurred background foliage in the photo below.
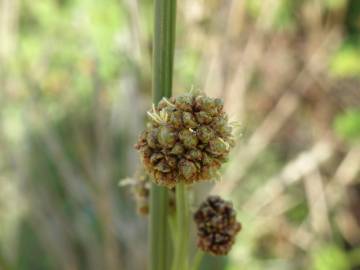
(75, 83)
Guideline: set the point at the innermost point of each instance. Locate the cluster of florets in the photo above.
(187, 140)
(216, 226)
(140, 190)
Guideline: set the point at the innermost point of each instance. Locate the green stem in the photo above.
(197, 260)
(182, 218)
(163, 55)
(164, 42)
(158, 227)
(173, 230)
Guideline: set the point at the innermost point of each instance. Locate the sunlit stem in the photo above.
(196, 262)
(163, 57)
(182, 225)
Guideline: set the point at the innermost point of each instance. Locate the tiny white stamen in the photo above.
(152, 117)
(160, 118)
(168, 102)
(226, 144)
(166, 117)
(126, 182)
(153, 108)
(192, 89)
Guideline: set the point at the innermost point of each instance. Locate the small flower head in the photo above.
(186, 140)
(216, 226)
(140, 191)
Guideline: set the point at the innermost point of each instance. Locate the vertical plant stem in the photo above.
(173, 231)
(163, 55)
(182, 218)
(164, 42)
(158, 228)
(197, 260)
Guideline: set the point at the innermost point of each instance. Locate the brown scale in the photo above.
(140, 189)
(216, 226)
(187, 140)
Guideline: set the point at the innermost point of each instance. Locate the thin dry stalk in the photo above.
(305, 163)
(268, 129)
(319, 210)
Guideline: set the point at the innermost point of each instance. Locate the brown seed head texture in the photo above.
(187, 140)
(216, 226)
(140, 190)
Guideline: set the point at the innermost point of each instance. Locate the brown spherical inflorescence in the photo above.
(187, 140)
(216, 226)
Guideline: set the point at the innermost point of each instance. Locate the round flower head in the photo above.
(186, 140)
(216, 226)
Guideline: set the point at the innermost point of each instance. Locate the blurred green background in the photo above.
(75, 83)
